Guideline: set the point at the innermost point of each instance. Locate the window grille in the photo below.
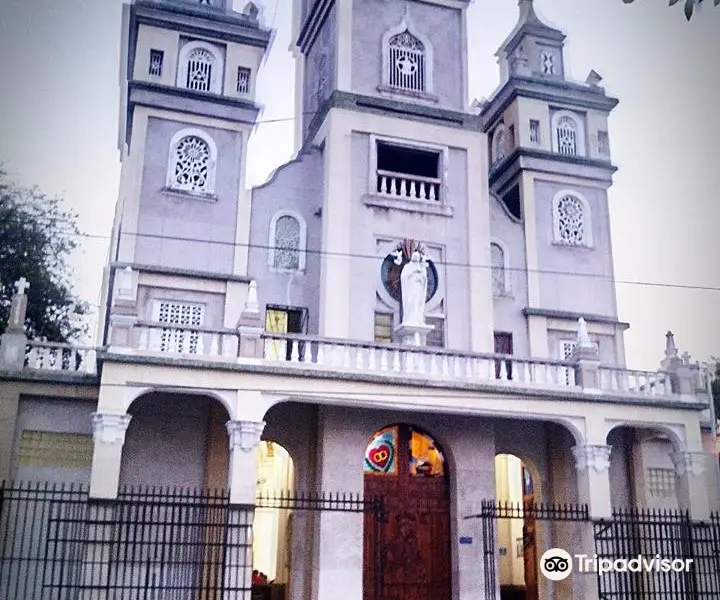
(178, 341)
(156, 63)
(200, 65)
(567, 142)
(406, 55)
(534, 131)
(243, 80)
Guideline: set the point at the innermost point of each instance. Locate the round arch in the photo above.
(675, 433)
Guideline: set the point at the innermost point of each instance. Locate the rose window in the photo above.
(191, 165)
(571, 221)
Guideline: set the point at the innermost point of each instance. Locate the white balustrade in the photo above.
(52, 356)
(638, 383)
(186, 341)
(420, 362)
(408, 187)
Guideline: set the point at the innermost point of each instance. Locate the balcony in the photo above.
(309, 355)
(408, 187)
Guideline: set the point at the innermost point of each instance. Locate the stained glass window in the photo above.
(425, 458)
(287, 243)
(192, 160)
(380, 455)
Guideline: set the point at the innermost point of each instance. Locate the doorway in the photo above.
(517, 561)
(405, 466)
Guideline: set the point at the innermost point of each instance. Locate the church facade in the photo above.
(419, 306)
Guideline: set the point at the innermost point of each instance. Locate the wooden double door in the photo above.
(407, 552)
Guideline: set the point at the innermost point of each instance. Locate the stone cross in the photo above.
(21, 285)
(18, 306)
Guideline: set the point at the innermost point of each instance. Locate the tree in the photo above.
(689, 5)
(37, 236)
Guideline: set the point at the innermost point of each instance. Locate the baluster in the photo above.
(446, 366)
(457, 368)
(383, 184)
(409, 362)
(468, 367)
(420, 366)
(434, 367)
(143, 341)
(403, 187)
(214, 344)
(422, 190)
(32, 357)
(89, 363)
(320, 358)
(412, 189)
(294, 351)
(359, 362)
(431, 188)
(393, 186)
(396, 361)
(526, 373)
(503, 370)
(371, 359)
(614, 383)
(57, 359)
(660, 382)
(347, 359)
(384, 360)
(549, 372)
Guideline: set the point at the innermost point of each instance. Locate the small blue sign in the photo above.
(466, 540)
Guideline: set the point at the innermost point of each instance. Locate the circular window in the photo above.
(390, 274)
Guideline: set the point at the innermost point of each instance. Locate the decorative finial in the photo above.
(21, 286)
(670, 348)
(583, 337)
(251, 303)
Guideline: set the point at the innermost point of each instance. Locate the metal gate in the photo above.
(491, 511)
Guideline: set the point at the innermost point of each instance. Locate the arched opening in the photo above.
(176, 441)
(404, 465)
(517, 561)
(272, 527)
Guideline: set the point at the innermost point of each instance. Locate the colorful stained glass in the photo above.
(425, 459)
(381, 452)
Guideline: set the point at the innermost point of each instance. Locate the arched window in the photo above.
(191, 162)
(568, 135)
(200, 68)
(407, 60)
(499, 144)
(499, 270)
(288, 235)
(571, 220)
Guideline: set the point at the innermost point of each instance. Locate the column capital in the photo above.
(592, 456)
(110, 428)
(689, 463)
(245, 434)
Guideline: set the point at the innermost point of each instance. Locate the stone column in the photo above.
(592, 462)
(109, 436)
(242, 481)
(692, 484)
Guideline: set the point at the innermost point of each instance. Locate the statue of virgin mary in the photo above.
(413, 287)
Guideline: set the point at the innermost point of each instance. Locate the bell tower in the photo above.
(383, 97)
(188, 81)
(551, 168)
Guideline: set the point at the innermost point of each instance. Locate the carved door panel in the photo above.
(407, 556)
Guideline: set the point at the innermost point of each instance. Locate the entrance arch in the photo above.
(404, 465)
(517, 564)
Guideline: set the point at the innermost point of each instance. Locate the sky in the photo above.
(59, 106)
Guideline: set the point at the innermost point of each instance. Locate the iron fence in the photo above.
(57, 543)
(675, 557)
